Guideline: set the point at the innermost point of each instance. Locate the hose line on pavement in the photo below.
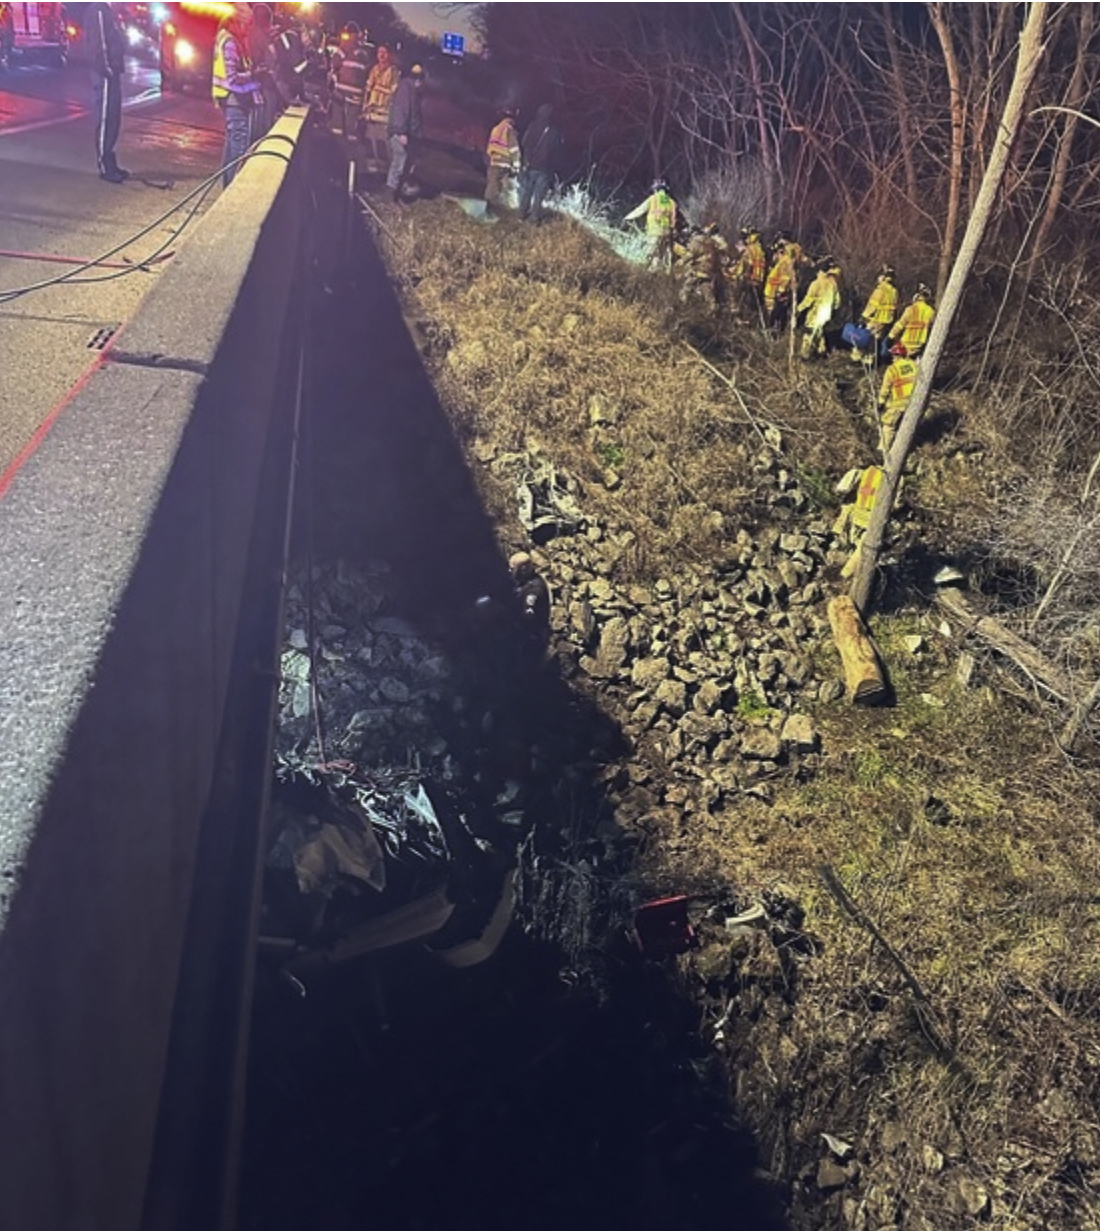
(199, 191)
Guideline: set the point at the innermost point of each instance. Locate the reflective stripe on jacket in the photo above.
(503, 147)
(882, 306)
(780, 278)
(381, 85)
(821, 301)
(897, 383)
(914, 324)
(869, 483)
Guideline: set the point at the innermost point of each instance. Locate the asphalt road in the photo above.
(52, 202)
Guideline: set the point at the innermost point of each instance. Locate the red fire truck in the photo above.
(34, 30)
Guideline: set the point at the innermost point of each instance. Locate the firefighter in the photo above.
(893, 396)
(751, 270)
(504, 156)
(403, 130)
(233, 87)
(878, 314)
(350, 65)
(914, 323)
(381, 85)
(779, 284)
(291, 62)
(821, 300)
(108, 50)
(661, 214)
(707, 260)
(854, 518)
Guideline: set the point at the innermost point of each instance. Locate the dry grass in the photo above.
(955, 827)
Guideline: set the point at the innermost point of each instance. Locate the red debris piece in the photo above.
(662, 928)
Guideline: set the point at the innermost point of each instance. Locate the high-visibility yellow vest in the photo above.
(381, 85)
(869, 483)
(660, 216)
(882, 306)
(219, 85)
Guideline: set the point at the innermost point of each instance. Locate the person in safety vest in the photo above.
(233, 87)
(381, 85)
(780, 283)
(750, 270)
(108, 49)
(821, 300)
(661, 214)
(403, 130)
(877, 316)
(914, 323)
(894, 394)
(504, 157)
(350, 67)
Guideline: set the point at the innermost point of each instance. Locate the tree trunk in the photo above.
(901, 101)
(1027, 65)
(771, 167)
(940, 22)
(862, 667)
(1075, 96)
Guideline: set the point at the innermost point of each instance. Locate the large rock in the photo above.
(671, 695)
(760, 744)
(614, 647)
(647, 674)
(800, 734)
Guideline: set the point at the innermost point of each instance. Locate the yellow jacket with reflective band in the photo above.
(660, 214)
(821, 300)
(503, 148)
(869, 483)
(913, 325)
(753, 265)
(381, 85)
(780, 278)
(882, 306)
(897, 383)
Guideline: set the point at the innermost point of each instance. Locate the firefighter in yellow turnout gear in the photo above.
(878, 314)
(660, 212)
(855, 518)
(504, 156)
(914, 323)
(819, 303)
(893, 396)
(751, 270)
(780, 283)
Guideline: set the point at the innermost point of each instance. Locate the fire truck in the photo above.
(34, 30)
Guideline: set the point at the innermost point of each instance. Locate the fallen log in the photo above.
(862, 666)
(1039, 669)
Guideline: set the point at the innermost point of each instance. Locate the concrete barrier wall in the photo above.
(129, 542)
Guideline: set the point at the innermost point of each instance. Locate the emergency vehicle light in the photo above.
(185, 52)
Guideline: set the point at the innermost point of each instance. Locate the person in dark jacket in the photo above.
(403, 129)
(108, 48)
(541, 143)
(261, 51)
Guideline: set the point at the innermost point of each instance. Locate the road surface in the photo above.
(52, 202)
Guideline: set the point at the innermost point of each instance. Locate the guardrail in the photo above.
(142, 547)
